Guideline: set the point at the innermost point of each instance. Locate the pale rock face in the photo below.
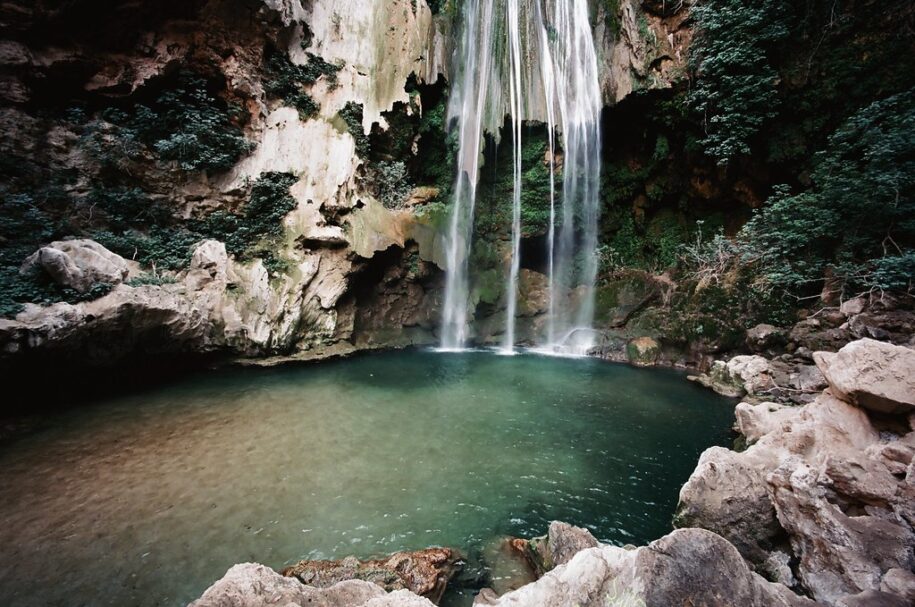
(380, 45)
(631, 61)
(78, 264)
(872, 374)
(253, 585)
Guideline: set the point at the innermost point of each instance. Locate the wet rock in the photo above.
(686, 567)
(78, 264)
(559, 545)
(253, 585)
(871, 374)
(423, 572)
(643, 351)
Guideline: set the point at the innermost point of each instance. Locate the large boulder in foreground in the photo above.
(871, 374)
(686, 567)
(562, 542)
(823, 499)
(253, 585)
(424, 572)
(78, 264)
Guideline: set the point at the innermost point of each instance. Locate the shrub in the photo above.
(286, 80)
(351, 113)
(858, 218)
(391, 183)
(186, 124)
(736, 86)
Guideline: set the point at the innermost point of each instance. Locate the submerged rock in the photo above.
(424, 572)
(253, 585)
(872, 374)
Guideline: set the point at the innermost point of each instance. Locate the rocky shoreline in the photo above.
(813, 507)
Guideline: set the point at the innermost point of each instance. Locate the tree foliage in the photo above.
(858, 219)
(736, 82)
(186, 124)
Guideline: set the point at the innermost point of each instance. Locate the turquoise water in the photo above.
(147, 498)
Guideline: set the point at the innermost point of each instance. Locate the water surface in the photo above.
(147, 498)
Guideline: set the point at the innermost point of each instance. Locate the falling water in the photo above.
(574, 256)
(513, 22)
(555, 36)
(469, 104)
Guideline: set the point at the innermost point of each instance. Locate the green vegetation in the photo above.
(392, 183)
(495, 192)
(352, 116)
(736, 87)
(858, 218)
(186, 124)
(136, 226)
(287, 80)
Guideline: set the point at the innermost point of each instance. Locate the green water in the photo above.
(148, 498)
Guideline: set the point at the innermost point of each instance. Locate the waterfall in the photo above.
(574, 257)
(545, 50)
(513, 22)
(468, 102)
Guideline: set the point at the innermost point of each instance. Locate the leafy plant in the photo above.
(736, 86)
(186, 124)
(287, 80)
(351, 113)
(858, 218)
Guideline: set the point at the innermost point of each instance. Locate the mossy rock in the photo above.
(643, 351)
(618, 299)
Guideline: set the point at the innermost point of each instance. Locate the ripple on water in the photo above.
(148, 498)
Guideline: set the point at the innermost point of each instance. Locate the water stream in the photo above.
(147, 498)
(545, 51)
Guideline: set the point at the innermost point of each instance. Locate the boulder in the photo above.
(853, 306)
(839, 554)
(686, 567)
(871, 374)
(643, 351)
(423, 572)
(820, 499)
(745, 374)
(763, 336)
(559, 545)
(78, 264)
(253, 585)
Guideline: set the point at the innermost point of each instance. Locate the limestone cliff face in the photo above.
(358, 273)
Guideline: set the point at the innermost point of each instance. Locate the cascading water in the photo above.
(574, 256)
(544, 49)
(468, 103)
